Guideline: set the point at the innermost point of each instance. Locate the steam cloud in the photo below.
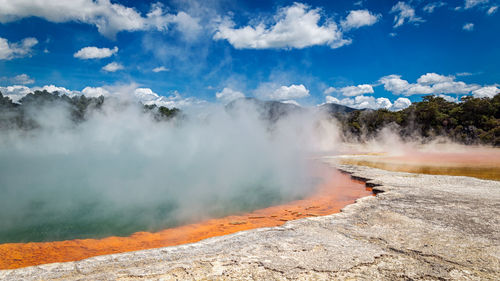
(120, 171)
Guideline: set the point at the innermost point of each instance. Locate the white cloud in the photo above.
(95, 53)
(109, 18)
(141, 94)
(448, 98)
(433, 78)
(112, 67)
(393, 83)
(188, 25)
(330, 90)
(486, 92)
(472, 3)
(429, 8)
(350, 91)
(294, 102)
(227, 95)
(294, 26)
(146, 95)
(289, 92)
(53, 89)
(361, 102)
(94, 92)
(21, 79)
(404, 13)
(400, 103)
(359, 18)
(129, 92)
(492, 10)
(16, 92)
(430, 83)
(468, 26)
(370, 102)
(20, 49)
(175, 100)
(160, 69)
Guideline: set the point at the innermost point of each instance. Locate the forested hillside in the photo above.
(22, 115)
(471, 121)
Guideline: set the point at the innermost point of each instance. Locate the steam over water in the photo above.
(120, 171)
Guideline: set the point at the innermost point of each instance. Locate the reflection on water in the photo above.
(337, 191)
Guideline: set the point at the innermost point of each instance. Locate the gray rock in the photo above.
(420, 227)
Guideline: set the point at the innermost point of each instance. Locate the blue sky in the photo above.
(178, 53)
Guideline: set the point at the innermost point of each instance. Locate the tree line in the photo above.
(471, 121)
(19, 115)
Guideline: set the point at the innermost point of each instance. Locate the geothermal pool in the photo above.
(131, 229)
(479, 162)
(336, 191)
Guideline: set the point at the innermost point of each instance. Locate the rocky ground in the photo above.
(419, 227)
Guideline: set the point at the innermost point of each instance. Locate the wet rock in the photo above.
(418, 227)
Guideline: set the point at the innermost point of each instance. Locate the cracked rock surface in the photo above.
(420, 227)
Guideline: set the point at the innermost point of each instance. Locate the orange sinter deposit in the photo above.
(337, 191)
(479, 162)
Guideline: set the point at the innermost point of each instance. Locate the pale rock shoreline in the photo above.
(419, 227)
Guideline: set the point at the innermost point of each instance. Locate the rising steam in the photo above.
(120, 171)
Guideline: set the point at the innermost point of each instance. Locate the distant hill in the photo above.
(470, 121)
(333, 108)
(269, 110)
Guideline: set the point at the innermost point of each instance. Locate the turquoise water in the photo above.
(52, 220)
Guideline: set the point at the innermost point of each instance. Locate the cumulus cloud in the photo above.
(94, 92)
(289, 92)
(400, 103)
(9, 50)
(95, 53)
(361, 102)
(492, 10)
(56, 89)
(429, 8)
(434, 78)
(112, 67)
(370, 102)
(473, 3)
(359, 18)
(227, 95)
(17, 92)
(144, 95)
(295, 26)
(486, 92)
(131, 92)
(160, 69)
(350, 91)
(109, 18)
(174, 100)
(22, 79)
(404, 13)
(468, 26)
(430, 83)
(448, 98)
